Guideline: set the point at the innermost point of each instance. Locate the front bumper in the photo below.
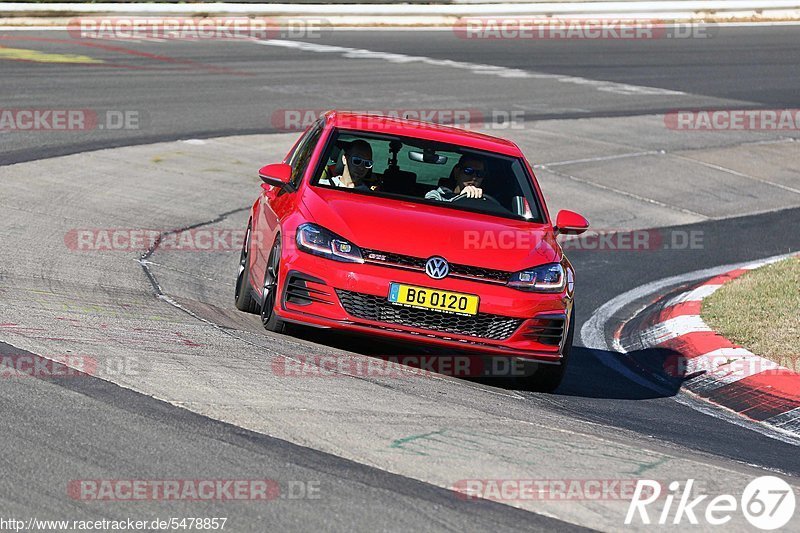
(353, 297)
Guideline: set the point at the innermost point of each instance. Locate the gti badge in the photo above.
(437, 267)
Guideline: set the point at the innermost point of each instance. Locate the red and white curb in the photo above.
(710, 365)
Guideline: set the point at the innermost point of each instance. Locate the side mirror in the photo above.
(570, 223)
(278, 174)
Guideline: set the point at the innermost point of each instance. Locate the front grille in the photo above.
(375, 256)
(416, 263)
(479, 272)
(379, 309)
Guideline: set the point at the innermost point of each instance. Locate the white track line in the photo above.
(727, 170)
(695, 295)
(599, 158)
(476, 68)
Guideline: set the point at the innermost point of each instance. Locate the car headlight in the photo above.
(545, 278)
(319, 241)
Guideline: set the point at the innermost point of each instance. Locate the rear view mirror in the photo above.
(570, 223)
(278, 175)
(427, 157)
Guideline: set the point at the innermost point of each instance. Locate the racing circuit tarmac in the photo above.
(203, 400)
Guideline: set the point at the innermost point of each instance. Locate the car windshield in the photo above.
(429, 172)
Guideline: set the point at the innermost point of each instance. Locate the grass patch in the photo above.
(761, 311)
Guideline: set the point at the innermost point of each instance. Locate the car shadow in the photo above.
(591, 373)
(637, 375)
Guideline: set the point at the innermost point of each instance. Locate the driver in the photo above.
(358, 163)
(468, 175)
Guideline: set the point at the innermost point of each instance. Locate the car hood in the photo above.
(422, 230)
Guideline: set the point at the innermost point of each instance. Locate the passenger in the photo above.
(357, 172)
(468, 175)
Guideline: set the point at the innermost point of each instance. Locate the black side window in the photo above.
(301, 156)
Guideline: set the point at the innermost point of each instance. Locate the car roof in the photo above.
(372, 123)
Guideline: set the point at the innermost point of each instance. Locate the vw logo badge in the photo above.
(437, 267)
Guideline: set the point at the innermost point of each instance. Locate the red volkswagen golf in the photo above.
(413, 231)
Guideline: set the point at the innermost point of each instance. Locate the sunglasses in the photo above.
(358, 161)
(469, 171)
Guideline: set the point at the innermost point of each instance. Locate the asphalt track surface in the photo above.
(205, 89)
(90, 428)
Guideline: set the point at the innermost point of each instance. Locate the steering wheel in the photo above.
(485, 196)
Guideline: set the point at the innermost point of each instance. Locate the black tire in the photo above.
(270, 296)
(547, 378)
(243, 296)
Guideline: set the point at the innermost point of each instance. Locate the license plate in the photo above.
(434, 299)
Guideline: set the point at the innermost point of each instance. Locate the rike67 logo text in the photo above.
(768, 503)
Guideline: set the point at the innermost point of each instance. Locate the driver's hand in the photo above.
(472, 192)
